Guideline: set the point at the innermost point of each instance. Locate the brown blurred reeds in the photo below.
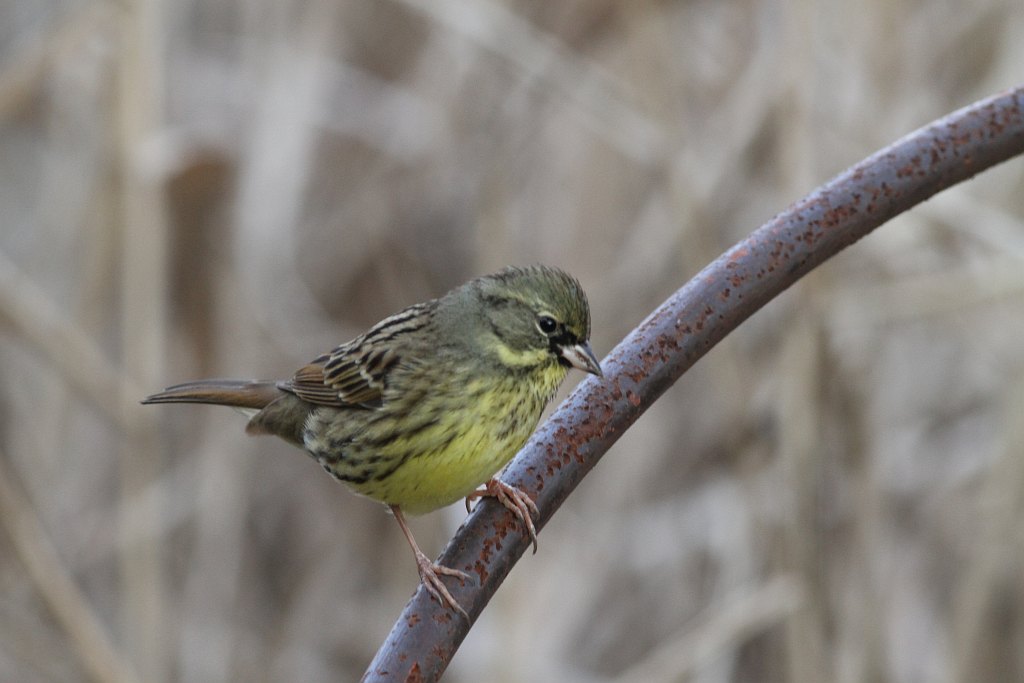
(194, 188)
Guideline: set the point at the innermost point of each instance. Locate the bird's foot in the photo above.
(430, 578)
(517, 502)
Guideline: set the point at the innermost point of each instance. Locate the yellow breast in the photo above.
(464, 448)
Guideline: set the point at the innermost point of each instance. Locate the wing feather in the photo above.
(356, 373)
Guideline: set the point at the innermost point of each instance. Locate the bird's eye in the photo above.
(547, 324)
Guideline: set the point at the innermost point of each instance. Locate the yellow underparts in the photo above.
(447, 461)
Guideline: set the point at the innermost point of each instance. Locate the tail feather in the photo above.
(237, 393)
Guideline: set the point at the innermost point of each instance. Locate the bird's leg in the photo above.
(429, 571)
(518, 503)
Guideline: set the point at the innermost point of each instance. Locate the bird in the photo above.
(424, 408)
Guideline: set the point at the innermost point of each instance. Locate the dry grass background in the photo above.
(228, 188)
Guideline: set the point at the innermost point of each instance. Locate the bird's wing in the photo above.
(355, 374)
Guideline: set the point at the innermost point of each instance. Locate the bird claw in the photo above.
(429, 577)
(515, 500)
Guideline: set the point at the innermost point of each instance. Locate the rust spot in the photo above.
(740, 253)
(414, 675)
(443, 617)
(666, 341)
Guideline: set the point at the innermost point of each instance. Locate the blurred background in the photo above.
(227, 188)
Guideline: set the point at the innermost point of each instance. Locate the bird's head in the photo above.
(532, 317)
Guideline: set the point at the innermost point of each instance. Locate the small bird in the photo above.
(429, 403)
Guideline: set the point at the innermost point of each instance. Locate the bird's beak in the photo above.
(581, 356)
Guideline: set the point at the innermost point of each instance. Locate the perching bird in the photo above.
(430, 403)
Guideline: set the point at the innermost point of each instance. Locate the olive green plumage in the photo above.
(431, 402)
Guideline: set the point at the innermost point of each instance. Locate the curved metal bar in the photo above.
(652, 357)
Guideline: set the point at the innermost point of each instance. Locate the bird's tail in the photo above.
(238, 393)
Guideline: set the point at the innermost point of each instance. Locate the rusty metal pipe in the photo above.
(652, 357)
